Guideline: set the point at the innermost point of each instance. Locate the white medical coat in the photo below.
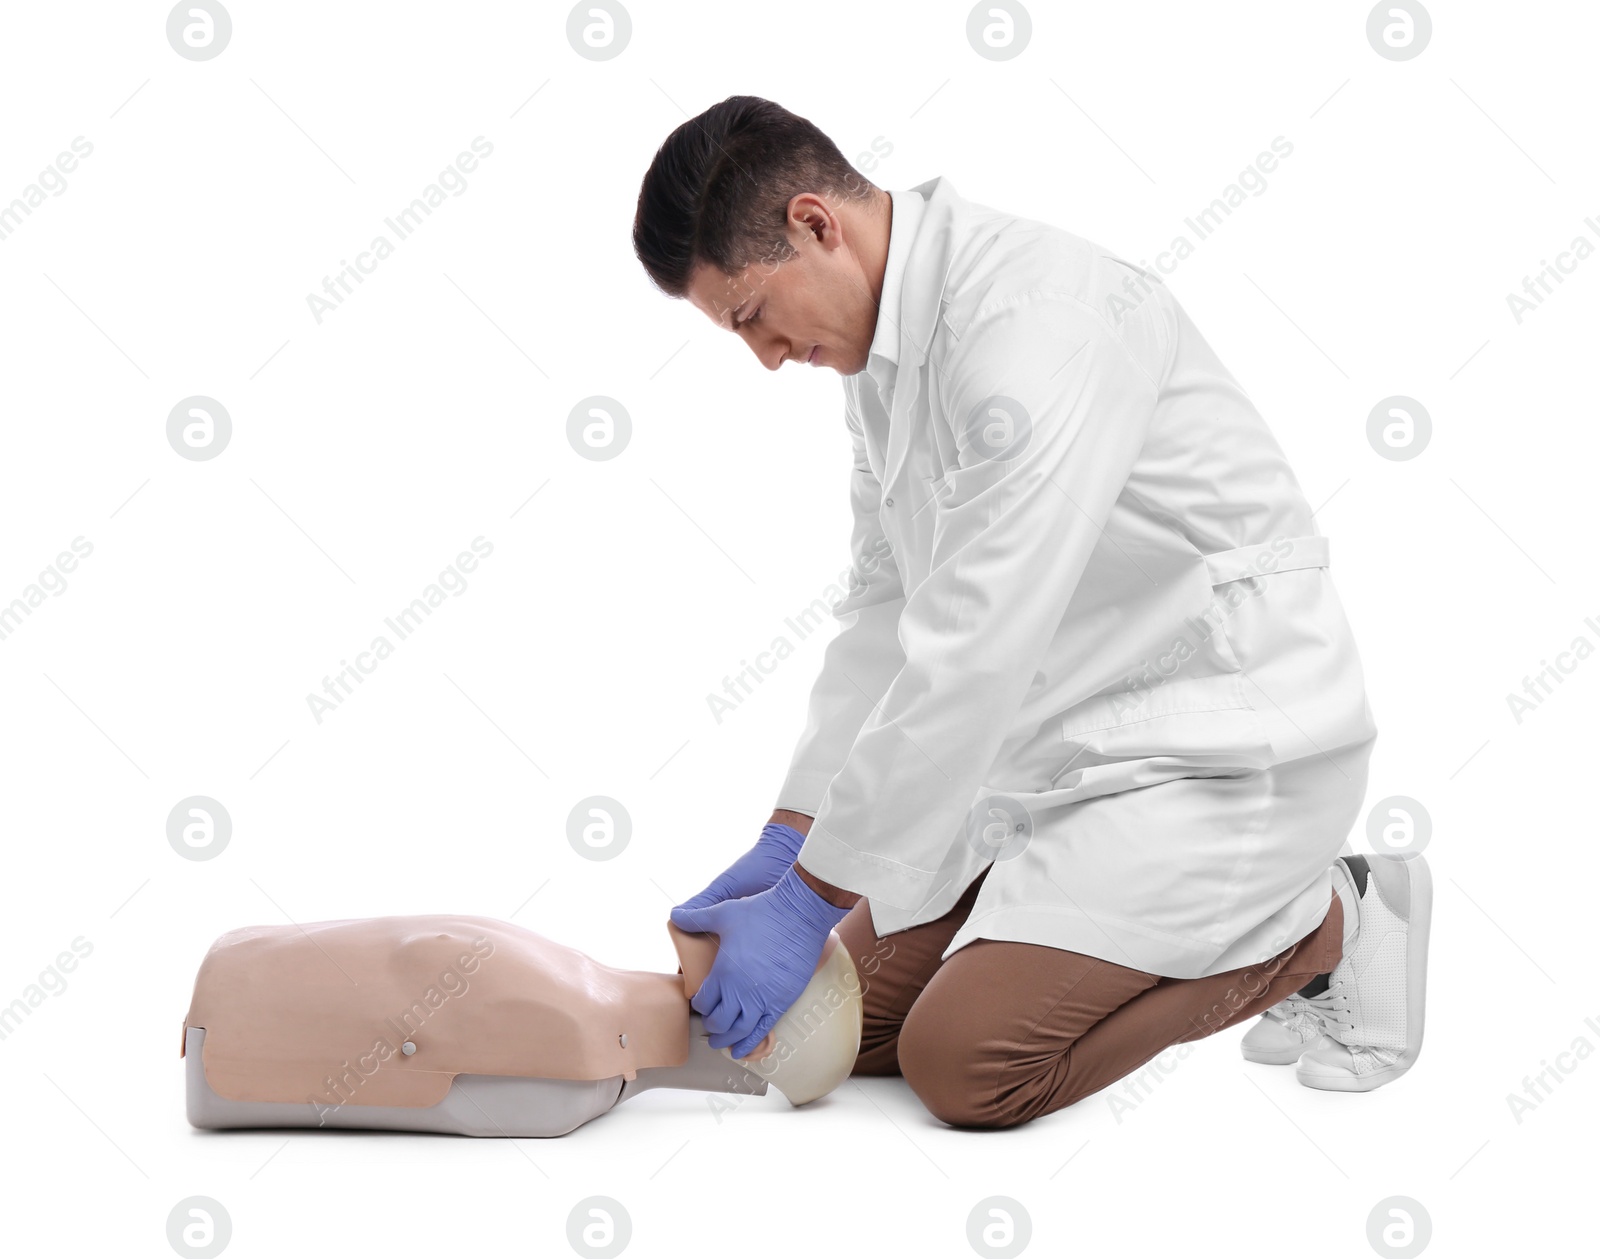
(1093, 642)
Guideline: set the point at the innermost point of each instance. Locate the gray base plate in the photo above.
(475, 1106)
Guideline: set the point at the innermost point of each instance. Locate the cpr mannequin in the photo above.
(467, 1025)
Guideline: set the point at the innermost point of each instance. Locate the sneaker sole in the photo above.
(1354, 1083)
(1274, 1057)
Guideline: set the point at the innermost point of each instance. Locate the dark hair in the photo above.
(718, 189)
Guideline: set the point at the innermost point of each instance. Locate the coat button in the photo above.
(888, 502)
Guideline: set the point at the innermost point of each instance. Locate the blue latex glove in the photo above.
(767, 950)
(754, 872)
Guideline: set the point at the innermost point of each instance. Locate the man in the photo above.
(1087, 745)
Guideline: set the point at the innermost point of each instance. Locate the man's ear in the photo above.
(817, 218)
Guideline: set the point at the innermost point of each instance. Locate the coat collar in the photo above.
(933, 249)
(905, 218)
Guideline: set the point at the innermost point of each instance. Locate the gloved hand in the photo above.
(754, 872)
(767, 950)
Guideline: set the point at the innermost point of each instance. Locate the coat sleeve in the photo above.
(1048, 411)
(863, 657)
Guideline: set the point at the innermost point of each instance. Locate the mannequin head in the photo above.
(812, 1048)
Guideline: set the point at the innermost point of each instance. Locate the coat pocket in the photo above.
(1182, 706)
(1203, 727)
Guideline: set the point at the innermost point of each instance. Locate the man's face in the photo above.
(815, 307)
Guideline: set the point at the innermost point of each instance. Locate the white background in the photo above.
(369, 449)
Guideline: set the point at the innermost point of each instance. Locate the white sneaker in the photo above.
(1372, 1008)
(1292, 1026)
(1283, 1033)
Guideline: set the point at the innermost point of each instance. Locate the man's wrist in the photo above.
(788, 817)
(838, 897)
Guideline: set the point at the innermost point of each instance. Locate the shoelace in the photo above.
(1297, 1015)
(1332, 1006)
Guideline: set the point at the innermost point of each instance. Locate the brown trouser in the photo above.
(1003, 1032)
